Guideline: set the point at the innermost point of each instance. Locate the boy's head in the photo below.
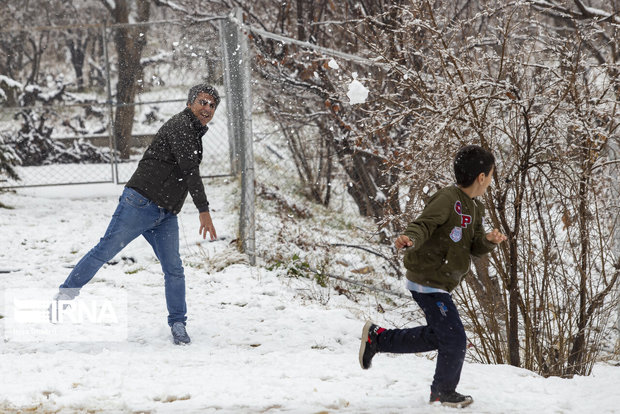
(470, 162)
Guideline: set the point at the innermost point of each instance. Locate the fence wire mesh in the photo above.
(308, 221)
(88, 115)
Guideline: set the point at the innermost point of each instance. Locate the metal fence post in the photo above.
(237, 78)
(108, 75)
(229, 37)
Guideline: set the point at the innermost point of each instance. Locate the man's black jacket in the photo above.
(169, 168)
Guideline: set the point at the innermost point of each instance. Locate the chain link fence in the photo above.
(74, 123)
(308, 224)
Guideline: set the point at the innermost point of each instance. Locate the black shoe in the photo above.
(368, 347)
(179, 334)
(451, 399)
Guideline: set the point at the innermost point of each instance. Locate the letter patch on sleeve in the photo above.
(458, 207)
(465, 218)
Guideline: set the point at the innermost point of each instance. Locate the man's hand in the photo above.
(403, 241)
(206, 225)
(496, 237)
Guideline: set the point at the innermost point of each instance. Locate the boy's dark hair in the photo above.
(469, 162)
(203, 87)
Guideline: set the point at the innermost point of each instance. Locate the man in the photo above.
(151, 200)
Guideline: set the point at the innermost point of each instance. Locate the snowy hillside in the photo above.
(261, 342)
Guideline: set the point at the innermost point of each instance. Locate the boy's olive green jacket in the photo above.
(444, 236)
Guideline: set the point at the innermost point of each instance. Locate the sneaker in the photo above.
(59, 303)
(179, 334)
(451, 399)
(368, 347)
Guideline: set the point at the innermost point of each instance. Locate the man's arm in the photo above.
(185, 149)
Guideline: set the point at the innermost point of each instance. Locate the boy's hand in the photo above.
(496, 237)
(403, 241)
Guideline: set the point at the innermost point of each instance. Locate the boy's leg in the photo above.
(407, 341)
(131, 217)
(445, 323)
(410, 340)
(164, 238)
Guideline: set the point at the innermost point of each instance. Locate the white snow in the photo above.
(11, 83)
(333, 64)
(260, 343)
(357, 91)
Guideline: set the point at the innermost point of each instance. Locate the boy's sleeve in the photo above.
(436, 213)
(480, 245)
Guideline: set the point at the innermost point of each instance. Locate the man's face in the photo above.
(203, 107)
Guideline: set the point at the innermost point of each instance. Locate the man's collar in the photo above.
(196, 122)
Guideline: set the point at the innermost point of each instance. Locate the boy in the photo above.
(439, 244)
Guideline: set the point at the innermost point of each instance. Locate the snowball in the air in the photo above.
(357, 92)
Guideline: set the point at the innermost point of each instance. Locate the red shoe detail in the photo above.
(377, 332)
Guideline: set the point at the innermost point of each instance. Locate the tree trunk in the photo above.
(77, 50)
(129, 42)
(576, 359)
(513, 321)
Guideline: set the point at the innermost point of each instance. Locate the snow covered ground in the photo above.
(260, 344)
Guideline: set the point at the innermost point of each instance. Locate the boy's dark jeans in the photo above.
(444, 333)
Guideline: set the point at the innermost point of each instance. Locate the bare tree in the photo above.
(293, 75)
(129, 42)
(77, 43)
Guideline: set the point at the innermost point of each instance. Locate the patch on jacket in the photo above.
(465, 219)
(456, 234)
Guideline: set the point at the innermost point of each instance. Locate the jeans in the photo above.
(136, 215)
(444, 332)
